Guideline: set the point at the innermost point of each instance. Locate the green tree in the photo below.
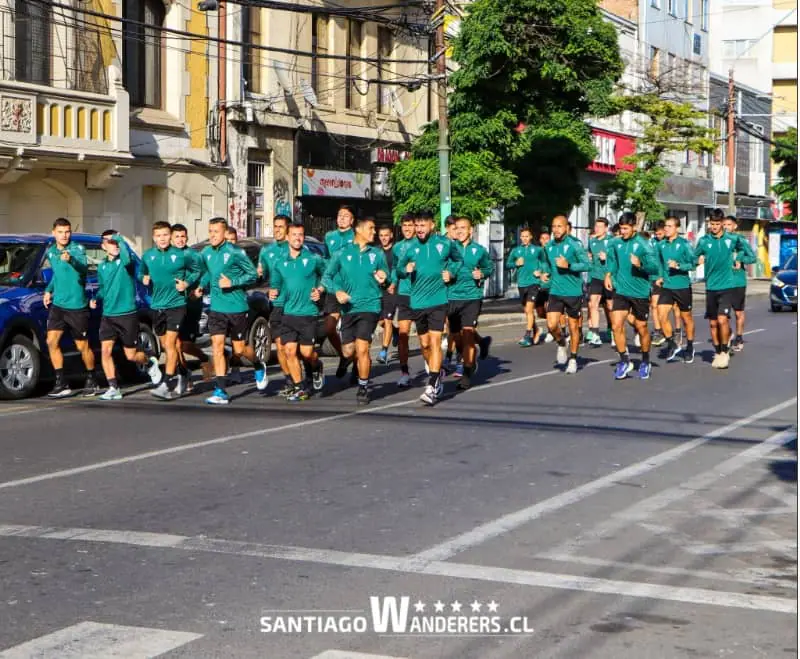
(529, 72)
(784, 154)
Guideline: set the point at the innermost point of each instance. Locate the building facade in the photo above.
(103, 117)
(308, 132)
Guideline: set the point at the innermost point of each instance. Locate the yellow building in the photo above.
(103, 120)
(784, 67)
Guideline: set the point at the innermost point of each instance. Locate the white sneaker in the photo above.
(548, 338)
(429, 395)
(112, 394)
(405, 381)
(572, 367)
(162, 391)
(180, 385)
(154, 371)
(562, 355)
(724, 360)
(260, 373)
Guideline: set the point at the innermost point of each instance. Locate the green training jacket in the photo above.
(629, 280)
(721, 254)
(231, 261)
(466, 287)
(534, 261)
(352, 270)
(165, 266)
(432, 257)
(68, 284)
(566, 282)
(116, 282)
(680, 251)
(295, 278)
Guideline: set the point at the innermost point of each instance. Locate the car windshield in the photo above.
(16, 261)
(791, 264)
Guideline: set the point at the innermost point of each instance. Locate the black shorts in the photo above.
(638, 306)
(404, 310)
(168, 320)
(463, 313)
(680, 296)
(298, 329)
(331, 305)
(569, 305)
(655, 290)
(190, 327)
(542, 297)
(529, 294)
(388, 306)
(125, 328)
(233, 325)
(430, 319)
(719, 303)
(738, 297)
(358, 326)
(598, 287)
(75, 320)
(275, 320)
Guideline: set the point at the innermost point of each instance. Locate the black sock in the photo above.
(433, 379)
(449, 354)
(670, 343)
(718, 348)
(404, 369)
(596, 330)
(59, 375)
(689, 345)
(112, 382)
(573, 355)
(562, 342)
(170, 380)
(528, 333)
(646, 357)
(624, 357)
(219, 382)
(724, 347)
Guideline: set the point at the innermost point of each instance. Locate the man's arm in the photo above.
(686, 259)
(330, 273)
(247, 272)
(581, 260)
(78, 259)
(511, 261)
(454, 262)
(486, 265)
(193, 267)
(124, 253)
(649, 263)
(744, 253)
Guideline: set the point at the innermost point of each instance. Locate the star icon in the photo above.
(456, 606)
(419, 607)
(439, 606)
(476, 606)
(492, 606)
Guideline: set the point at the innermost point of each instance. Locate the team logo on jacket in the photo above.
(566, 248)
(728, 242)
(372, 259)
(474, 250)
(635, 248)
(349, 257)
(305, 261)
(173, 257)
(153, 258)
(226, 258)
(440, 249)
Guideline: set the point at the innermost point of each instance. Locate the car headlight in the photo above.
(777, 282)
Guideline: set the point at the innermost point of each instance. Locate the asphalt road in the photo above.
(574, 516)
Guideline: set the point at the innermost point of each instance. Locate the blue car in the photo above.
(24, 274)
(783, 289)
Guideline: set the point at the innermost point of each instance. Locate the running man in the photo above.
(357, 276)
(658, 338)
(565, 262)
(190, 327)
(389, 298)
(598, 255)
(526, 259)
(543, 297)
(430, 263)
(296, 278)
(740, 293)
(66, 292)
(722, 255)
(171, 272)
(116, 290)
(676, 261)
(227, 274)
(231, 235)
(631, 264)
(334, 241)
(268, 256)
(405, 315)
(465, 297)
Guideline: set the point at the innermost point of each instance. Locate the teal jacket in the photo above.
(598, 246)
(231, 261)
(164, 267)
(566, 282)
(267, 257)
(744, 249)
(335, 240)
(466, 287)
(431, 258)
(630, 280)
(534, 261)
(295, 278)
(68, 284)
(720, 257)
(352, 270)
(680, 251)
(403, 285)
(116, 282)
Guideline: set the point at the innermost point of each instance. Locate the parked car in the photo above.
(783, 289)
(259, 336)
(24, 274)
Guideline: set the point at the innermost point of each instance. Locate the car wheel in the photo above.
(259, 338)
(774, 308)
(20, 363)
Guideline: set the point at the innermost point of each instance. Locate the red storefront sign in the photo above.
(388, 156)
(611, 149)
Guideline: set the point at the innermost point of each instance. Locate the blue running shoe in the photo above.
(644, 370)
(525, 341)
(622, 370)
(219, 397)
(261, 377)
(383, 356)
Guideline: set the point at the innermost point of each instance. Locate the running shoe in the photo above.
(675, 354)
(180, 385)
(219, 397)
(383, 356)
(362, 395)
(548, 338)
(738, 344)
(688, 356)
(112, 394)
(90, 387)
(262, 379)
(318, 378)
(525, 341)
(60, 390)
(154, 371)
(465, 382)
(163, 392)
(405, 381)
(440, 385)
(644, 370)
(459, 372)
(572, 367)
(658, 339)
(562, 355)
(297, 395)
(622, 370)
(429, 395)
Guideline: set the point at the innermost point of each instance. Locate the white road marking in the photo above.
(92, 640)
(755, 331)
(15, 411)
(511, 521)
(645, 510)
(347, 654)
(404, 565)
(788, 547)
(65, 473)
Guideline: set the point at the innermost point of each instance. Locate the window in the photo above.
(142, 51)
(757, 150)
(733, 48)
(687, 11)
(655, 3)
(32, 43)
(704, 15)
(672, 7)
(251, 57)
(319, 46)
(352, 67)
(384, 53)
(720, 125)
(255, 198)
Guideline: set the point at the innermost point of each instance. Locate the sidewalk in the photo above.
(502, 309)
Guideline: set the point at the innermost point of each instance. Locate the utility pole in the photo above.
(445, 206)
(731, 147)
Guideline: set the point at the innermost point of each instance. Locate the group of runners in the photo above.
(432, 281)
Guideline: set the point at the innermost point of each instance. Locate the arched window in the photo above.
(142, 51)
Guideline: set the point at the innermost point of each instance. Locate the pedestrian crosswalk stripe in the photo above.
(93, 640)
(346, 654)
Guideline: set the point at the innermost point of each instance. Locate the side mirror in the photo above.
(45, 277)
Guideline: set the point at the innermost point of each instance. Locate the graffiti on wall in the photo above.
(237, 215)
(280, 194)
